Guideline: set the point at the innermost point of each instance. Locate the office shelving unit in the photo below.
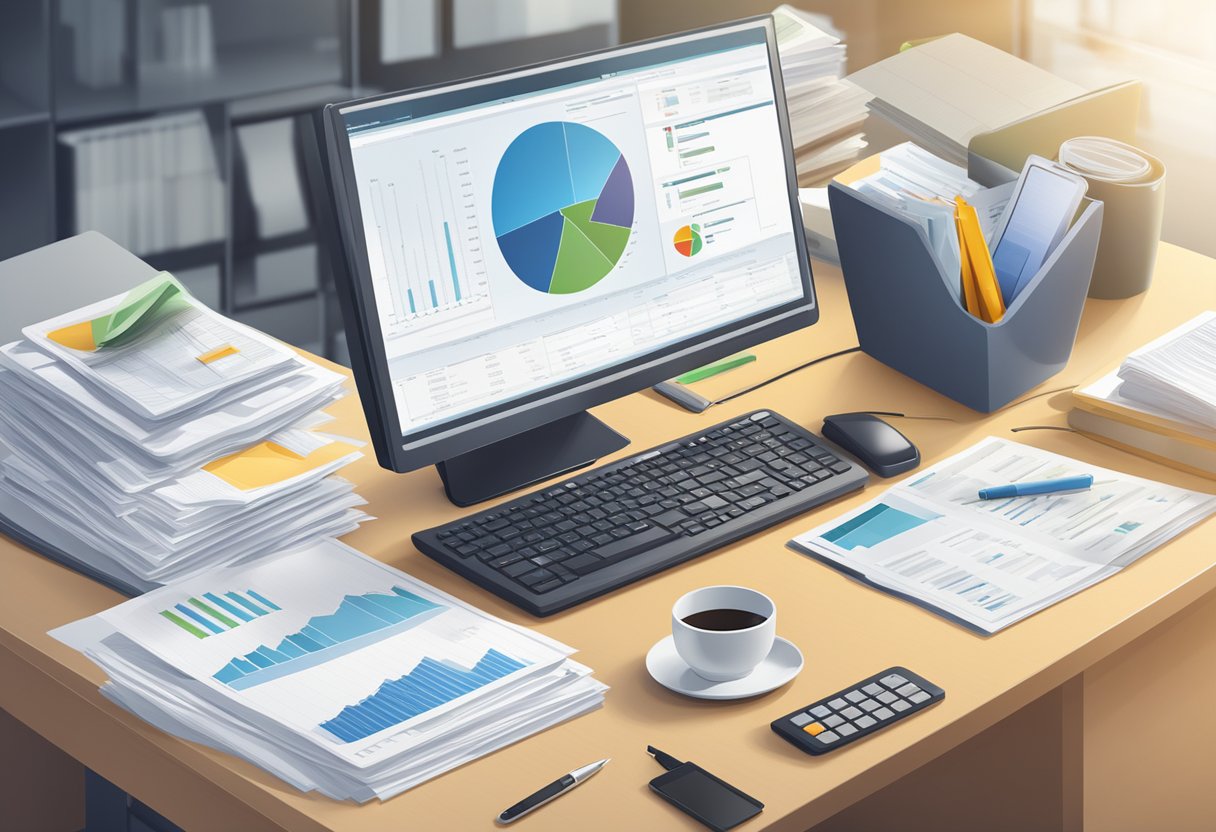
(99, 98)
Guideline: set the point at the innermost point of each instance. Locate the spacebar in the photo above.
(619, 550)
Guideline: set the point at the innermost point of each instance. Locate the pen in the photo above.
(1025, 489)
(715, 368)
(555, 789)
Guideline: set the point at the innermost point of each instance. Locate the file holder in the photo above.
(907, 318)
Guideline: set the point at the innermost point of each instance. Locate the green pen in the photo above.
(716, 368)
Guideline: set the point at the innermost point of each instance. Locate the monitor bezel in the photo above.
(444, 440)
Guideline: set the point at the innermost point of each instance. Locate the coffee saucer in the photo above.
(781, 664)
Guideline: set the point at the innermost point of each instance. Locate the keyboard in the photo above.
(617, 523)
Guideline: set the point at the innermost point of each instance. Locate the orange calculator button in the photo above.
(814, 729)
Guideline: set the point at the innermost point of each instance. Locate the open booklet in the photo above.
(989, 563)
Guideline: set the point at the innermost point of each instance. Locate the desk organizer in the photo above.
(908, 319)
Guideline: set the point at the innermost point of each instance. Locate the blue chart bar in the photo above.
(434, 297)
(868, 529)
(359, 620)
(409, 293)
(447, 238)
(431, 684)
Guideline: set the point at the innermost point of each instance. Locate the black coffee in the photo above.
(724, 619)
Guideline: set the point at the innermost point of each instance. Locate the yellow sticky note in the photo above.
(268, 463)
(218, 353)
(75, 337)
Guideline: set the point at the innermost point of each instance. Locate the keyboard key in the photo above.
(886, 697)
(868, 705)
(872, 689)
(821, 711)
(542, 588)
(828, 737)
(850, 713)
(884, 714)
(833, 720)
(584, 563)
(893, 681)
(814, 729)
(865, 721)
(838, 704)
(899, 706)
(855, 696)
(918, 697)
(801, 719)
(907, 690)
(846, 730)
(535, 577)
(519, 568)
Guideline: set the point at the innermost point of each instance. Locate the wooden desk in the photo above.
(1067, 686)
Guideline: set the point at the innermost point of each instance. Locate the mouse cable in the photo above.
(906, 416)
(1009, 406)
(780, 376)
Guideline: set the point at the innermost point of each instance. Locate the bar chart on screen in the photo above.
(427, 264)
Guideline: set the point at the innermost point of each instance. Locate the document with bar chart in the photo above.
(989, 563)
(358, 657)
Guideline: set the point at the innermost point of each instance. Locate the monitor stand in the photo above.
(526, 458)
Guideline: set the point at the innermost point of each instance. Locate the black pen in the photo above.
(555, 789)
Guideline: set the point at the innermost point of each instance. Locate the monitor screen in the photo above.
(539, 229)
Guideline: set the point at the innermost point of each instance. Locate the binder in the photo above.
(907, 317)
(1111, 111)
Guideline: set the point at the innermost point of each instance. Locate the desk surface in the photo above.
(846, 631)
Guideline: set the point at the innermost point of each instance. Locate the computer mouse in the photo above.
(880, 447)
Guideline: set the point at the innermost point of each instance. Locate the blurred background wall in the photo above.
(178, 127)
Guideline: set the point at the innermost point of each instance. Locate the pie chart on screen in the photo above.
(687, 239)
(562, 206)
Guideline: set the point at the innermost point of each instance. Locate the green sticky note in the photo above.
(144, 305)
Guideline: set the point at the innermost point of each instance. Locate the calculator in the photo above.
(858, 711)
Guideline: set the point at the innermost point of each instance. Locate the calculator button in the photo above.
(854, 696)
(850, 713)
(872, 689)
(900, 706)
(893, 681)
(828, 737)
(919, 697)
(814, 729)
(907, 690)
(865, 721)
(833, 720)
(868, 705)
(846, 730)
(800, 719)
(837, 703)
(886, 697)
(884, 713)
(820, 711)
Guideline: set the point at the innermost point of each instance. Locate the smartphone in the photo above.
(1039, 214)
(699, 794)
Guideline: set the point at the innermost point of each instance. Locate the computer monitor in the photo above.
(525, 245)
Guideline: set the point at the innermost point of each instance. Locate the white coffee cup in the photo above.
(723, 655)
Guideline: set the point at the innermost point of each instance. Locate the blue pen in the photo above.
(1025, 489)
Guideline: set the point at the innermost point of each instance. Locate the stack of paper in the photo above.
(915, 184)
(989, 563)
(332, 671)
(946, 92)
(826, 113)
(153, 438)
(1161, 401)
